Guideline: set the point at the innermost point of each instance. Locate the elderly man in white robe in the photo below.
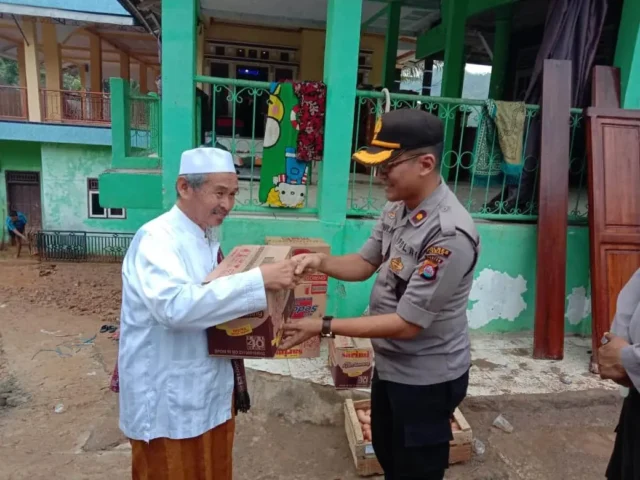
(177, 404)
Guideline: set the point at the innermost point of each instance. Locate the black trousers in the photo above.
(625, 459)
(411, 426)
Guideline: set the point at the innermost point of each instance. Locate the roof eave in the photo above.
(103, 18)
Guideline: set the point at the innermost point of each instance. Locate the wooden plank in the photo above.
(605, 90)
(548, 340)
(350, 431)
(465, 435)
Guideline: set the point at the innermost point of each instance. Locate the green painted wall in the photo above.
(503, 297)
(627, 56)
(504, 290)
(14, 155)
(65, 170)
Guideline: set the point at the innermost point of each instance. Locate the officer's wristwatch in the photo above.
(326, 328)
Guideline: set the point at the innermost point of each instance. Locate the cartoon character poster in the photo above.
(283, 178)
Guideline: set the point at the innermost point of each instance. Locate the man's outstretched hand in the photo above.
(300, 331)
(308, 263)
(279, 275)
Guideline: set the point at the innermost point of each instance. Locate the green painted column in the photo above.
(340, 75)
(627, 57)
(178, 89)
(500, 53)
(120, 119)
(455, 18)
(391, 45)
(155, 123)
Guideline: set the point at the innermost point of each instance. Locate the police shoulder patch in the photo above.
(428, 270)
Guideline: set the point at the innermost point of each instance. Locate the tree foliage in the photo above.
(10, 75)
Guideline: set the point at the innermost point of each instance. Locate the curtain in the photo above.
(572, 32)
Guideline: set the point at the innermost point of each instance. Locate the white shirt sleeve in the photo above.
(177, 302)
(631, 363)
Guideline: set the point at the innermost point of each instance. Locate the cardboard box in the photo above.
(351, 362)
(300, 245)
(257, 334)
(364, 457)
(310, 295)
(307, 305)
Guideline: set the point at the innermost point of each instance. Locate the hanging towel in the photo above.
(310, 113)
(504, 122)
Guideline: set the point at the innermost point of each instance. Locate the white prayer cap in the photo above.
(206, 160)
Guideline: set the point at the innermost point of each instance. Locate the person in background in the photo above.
(424, 248)
(619, 360)
(177, 403)
(16, 224)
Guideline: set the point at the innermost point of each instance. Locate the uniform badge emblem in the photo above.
(443, 252)
(391, 214)
(396, 265)
(428, 270)
(418, 217)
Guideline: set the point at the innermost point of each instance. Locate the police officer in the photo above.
(424, 248)
(619, 360)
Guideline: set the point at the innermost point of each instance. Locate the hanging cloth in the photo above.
(499, 142)
(312, 99)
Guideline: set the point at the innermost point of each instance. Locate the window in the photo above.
(95, 209)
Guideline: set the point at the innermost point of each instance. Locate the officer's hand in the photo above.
(299, 332)
(279, 275)
(308, 263)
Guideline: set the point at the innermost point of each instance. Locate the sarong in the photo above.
(207, 457)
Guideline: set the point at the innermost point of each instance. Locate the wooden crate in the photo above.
(365, 459)
(460, 449)
(363, 456)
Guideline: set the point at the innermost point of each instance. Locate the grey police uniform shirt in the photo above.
(427, 256)
(626, 324)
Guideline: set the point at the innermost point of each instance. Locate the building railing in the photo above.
(77, 246)
(473, 164)
(13, 103)
(238, 122)
(75, 106)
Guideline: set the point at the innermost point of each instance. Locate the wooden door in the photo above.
(613, 144)
(23, 195)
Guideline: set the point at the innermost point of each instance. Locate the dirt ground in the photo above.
(52, 355)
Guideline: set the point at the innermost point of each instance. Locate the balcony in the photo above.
(13, 103)
(78, 107)
(57, 106)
